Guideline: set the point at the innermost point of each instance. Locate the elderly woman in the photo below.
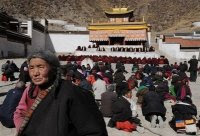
(54, 107)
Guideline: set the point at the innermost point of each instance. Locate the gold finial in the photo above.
(120, 4)
(143, 19)
(92, 20)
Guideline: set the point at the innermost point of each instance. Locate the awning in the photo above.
(116, 35)
(136, 35)
(135, 39)
(94, 40)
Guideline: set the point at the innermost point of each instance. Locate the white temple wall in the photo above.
(170, 50)
(66, 43)
(188, 55)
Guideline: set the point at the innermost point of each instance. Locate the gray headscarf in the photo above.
(48, 56)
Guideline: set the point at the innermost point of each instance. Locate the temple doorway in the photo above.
(116, 40)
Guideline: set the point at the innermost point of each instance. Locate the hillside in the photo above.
(163, 15)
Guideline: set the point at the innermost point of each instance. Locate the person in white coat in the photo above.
(99, 86)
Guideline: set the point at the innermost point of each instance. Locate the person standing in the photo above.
(24, 75)
(193, 68)
(51, 106)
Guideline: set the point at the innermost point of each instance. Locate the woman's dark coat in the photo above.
(193, 65)
(121, 110)
(152, 103)
(68, 111)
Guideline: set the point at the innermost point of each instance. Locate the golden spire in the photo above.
(143, 19)
(92, 21)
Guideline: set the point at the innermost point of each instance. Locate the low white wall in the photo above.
(61, 42)
(188, 55)
(173, 50)
(119, 54)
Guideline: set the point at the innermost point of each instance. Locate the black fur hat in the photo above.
(122, 88)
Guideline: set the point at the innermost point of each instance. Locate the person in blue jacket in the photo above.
(10, 103)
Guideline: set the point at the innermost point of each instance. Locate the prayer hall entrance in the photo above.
(116, 40)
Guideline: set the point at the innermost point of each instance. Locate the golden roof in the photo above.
(121, 26)
(119, 11)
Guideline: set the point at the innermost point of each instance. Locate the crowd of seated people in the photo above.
(151, 83)
(110, 59)
(79, 48)
(115, 97)
(117, 49)
(151, 49)
(101, 49)
(84, 48)
(93, 46)
(126, 49)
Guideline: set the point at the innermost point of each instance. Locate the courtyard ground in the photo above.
(148, 131)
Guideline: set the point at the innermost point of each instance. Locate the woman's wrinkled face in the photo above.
(39, 71)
